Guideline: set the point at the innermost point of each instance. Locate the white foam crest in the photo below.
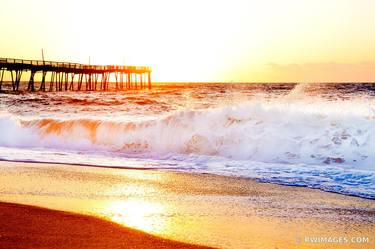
(286, 130)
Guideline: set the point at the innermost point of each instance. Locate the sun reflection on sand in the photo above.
(133, 208)
(138, 214)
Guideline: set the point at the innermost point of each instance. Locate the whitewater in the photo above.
(312, 135)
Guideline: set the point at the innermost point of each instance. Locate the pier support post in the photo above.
(91, 81)
(87, 81)
(66, 80)
(116, 76)
(61, 79)
(107, 81)
(96, 77)
(30, 87)
(57, 81)
(80, 79)
(149, 80)
(101, 81)
(2, 72)
(13, 85)
(104, 81)
(71, 86)
(122, 81)
(102, 85)
(51, 81)
(43, 83)
(129, 80)
(16, 81)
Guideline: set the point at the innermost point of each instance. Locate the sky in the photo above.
(200, 40)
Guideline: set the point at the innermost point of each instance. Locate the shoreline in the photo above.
(177, 171)
(217, 211)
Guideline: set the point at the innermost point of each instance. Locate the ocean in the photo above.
(310, 135)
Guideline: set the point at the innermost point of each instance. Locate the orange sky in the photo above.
(200, 40)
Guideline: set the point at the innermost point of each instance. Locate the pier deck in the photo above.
(64, 76)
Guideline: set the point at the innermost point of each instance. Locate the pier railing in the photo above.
(20, 62)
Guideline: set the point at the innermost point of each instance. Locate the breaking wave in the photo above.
(329, 133)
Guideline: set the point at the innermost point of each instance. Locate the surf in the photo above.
(280, 132)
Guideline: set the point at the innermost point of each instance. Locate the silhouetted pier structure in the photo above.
(64, 76)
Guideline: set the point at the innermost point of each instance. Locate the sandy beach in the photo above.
(24, 226)
(209, 210)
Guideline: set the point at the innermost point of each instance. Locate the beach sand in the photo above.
(217, 211)
(24, 226)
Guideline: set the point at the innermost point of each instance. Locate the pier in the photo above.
(66, 76)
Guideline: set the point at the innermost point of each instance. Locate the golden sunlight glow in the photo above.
(138, 214)
(200, 40)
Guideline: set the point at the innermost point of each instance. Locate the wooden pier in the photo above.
(66, 76)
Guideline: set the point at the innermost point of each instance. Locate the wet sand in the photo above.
(24, 226)
(203, 209)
